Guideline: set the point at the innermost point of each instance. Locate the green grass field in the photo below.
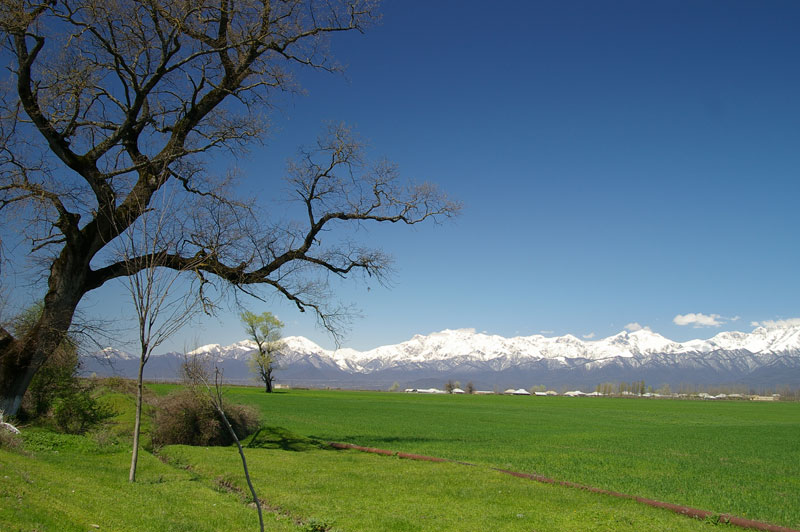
(741, 458)
(658, 449)
(71, 484)
(350, 490)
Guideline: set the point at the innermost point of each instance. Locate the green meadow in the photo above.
(735, 457)
(732, 457)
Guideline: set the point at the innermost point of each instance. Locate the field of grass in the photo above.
(649, 448)
(728, 457)
(349, 491)
(72, 483)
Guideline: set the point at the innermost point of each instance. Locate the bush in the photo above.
(10, 441)
(189, 418)
(75, 411)
(56, 393)
(55, 378)
(57, 396)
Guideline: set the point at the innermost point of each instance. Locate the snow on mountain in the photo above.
(466, 343)
(727, 357)
(237, 351)
(111, 353)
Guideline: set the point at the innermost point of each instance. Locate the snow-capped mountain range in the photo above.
(763, 357)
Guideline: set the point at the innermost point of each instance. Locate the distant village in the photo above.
(598, 393)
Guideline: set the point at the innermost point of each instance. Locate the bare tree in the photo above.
(160, 313)
(111, 100)
(196, 373)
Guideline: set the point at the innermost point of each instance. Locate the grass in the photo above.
(726, 457)
(74, 482)
(70, 483)
(348, 490)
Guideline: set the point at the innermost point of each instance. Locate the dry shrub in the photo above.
(9, 440)
(189, 418)
(119, 384)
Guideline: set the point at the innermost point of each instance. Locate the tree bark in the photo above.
(137, 423)
(16, 372)
(21, 358)
(268, 381)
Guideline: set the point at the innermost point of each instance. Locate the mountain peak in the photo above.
(766, 355)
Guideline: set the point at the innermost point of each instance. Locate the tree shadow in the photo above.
(370, 440)
(284, 439)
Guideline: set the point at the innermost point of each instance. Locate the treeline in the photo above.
(629, 388)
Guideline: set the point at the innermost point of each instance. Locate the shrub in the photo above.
(49, 382)
(75, 410)
(317, 525)
(55, 393)
(118, 384)
(10, 441)
(189, 418)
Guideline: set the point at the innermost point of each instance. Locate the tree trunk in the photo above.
(16, 372)
(21, 358)
(137, 424)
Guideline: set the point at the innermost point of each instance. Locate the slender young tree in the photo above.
(161, 306)
(265, 330)
(109, 101)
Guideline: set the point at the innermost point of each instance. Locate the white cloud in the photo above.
(634, 326)
(777, 324)
(699, 319)
(588, 336)
(546, 332)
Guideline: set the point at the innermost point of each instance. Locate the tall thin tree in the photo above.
(159, 312)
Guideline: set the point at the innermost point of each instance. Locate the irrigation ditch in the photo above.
(688, 511)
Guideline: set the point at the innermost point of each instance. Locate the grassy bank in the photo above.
(70, 483)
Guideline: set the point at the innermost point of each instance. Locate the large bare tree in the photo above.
(109, 100)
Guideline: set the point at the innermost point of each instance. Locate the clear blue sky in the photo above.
(619, 162)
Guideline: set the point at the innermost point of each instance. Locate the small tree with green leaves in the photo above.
(266, 331)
